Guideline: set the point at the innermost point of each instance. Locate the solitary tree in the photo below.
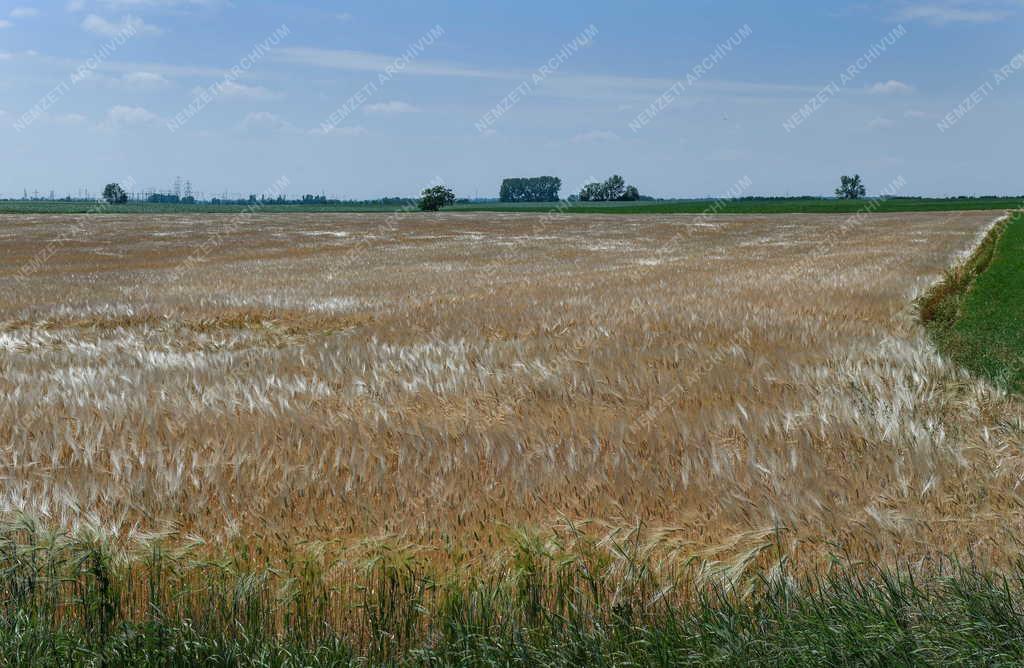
(850, 188)
(113, 193)
(435, 198)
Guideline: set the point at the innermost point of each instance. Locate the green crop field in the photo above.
(766, 205)
(692, 206)
(58, 207)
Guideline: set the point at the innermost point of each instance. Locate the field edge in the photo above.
(944, 308)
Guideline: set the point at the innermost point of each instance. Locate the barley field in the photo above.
(710, 384)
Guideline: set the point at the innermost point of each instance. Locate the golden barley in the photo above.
(328, 378)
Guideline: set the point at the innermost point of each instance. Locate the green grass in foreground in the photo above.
(79, 599)
(977, 314)
(744, 206)
(964, 617)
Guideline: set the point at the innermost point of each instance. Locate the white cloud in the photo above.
(63, 120)
(143, 80)
(943, 14)
(90, 76)
(594, 136)
(6, 55)
(124, 116)
(890, 87)
(264, 121)
(915, 114)
(881, 123)
(390, 108)
(361, 61)
(5, 24)
(234, 89)
(128, 67)
(98, 25)
(75, 5)
(344, 16)
(565, 85)
(24, 12)
(340, 131)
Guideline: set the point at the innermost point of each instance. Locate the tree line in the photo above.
(535, 189)
(614, 189)
(531, 189)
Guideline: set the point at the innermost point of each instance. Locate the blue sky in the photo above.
(90, 90)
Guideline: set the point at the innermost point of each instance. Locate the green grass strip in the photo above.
(976, 315)
(961, 617)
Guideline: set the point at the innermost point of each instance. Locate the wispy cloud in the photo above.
(98, 25)
(5, 23)
(915, 114)
(343, 16)
(390, 108)
(235, 89)
(75, 5)
(24, 12)
(128, 67)
(881, 123)
(890, 87)
(125, 116)
(944, 14)
(60, 120)
(363, 61)
(568, 84)
(143, 80)
(339, 131)
(266, 122)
